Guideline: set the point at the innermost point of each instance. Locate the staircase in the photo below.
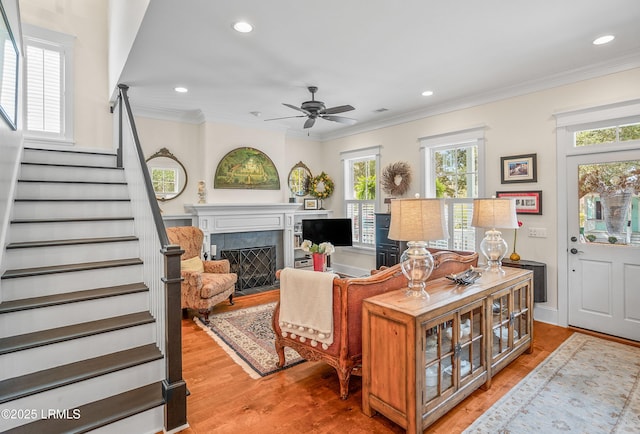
(77, 341)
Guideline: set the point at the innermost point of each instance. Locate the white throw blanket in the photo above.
(306, 306)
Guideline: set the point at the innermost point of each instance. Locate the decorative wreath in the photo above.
(396, 178)
(323, 179)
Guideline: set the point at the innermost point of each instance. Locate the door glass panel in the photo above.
(608, 202)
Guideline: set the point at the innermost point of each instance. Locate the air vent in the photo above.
(381, 110)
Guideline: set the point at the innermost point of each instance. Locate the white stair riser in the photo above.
(49, 284)
(75, 395)
(70, 209)
(62, 353)
(63, 173)
(73, 254)
(38, 190)
(75, 158)
(148, 422)
(33, 320)
(23, 232)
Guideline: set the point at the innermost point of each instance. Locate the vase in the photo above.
(615, 209)
(319, 262)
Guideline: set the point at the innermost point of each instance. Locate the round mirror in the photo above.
(168, 175)
(299, 177)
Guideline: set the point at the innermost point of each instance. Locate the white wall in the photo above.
(519, 125)
(201, 147)
(10, 140)
(87, 21)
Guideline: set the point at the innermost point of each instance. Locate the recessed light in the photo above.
(243, 27)
(603, 40)
(181, 89)
(427, 93)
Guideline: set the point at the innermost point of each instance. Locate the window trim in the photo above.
(63, 43)
(455, 139)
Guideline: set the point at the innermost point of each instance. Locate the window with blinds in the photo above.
(48, 85)
(44, 103)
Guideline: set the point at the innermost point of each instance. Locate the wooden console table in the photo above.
(422, 357)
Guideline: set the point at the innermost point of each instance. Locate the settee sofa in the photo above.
(345, 353)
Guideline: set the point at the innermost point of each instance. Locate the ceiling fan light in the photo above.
(242, 27)
(603, 40)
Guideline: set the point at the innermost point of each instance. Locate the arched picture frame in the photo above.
(246, 168)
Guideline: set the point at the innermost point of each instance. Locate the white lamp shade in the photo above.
(418, 220)
(494, 213)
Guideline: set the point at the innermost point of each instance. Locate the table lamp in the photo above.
(417, 221)
(494, 213)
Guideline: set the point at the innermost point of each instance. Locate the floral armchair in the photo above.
(345, 353)
(205, 283)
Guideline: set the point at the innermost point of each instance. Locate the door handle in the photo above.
(575, 251)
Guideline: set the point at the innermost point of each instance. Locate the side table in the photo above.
(539, 276)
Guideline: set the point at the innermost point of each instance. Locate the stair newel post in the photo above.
(174, 387)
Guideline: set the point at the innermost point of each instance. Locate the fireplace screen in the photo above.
(255, 266)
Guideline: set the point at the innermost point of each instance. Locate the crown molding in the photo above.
(619, 64)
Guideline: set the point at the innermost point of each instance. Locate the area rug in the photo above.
(247, 336)
(588, 385)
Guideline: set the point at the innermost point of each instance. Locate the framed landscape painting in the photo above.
(518, 168)
(247, 168)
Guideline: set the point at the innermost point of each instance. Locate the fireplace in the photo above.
(255, 266)
(239, 226)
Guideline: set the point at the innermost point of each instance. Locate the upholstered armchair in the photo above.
(205, 283)
(345, 353)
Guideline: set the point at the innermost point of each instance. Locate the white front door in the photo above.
(603, 260)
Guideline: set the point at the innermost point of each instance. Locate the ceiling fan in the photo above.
(315, 109)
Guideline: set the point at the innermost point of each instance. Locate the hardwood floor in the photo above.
(304, 398)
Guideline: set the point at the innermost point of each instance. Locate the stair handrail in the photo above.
(153, 202)
(174, 388)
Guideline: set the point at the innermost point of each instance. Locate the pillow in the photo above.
(193, 264)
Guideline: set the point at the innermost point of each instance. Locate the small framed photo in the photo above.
(518, 168)
(527, 202)
(311, 204)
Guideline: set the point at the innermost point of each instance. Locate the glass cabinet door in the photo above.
(521, 312)
(500, 322)
(470, 345)
(438, 357)
(453, 352)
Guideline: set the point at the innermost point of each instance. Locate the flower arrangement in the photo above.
(610, 178)
(323, 248)
(327, 184)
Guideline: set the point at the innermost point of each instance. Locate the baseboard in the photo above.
(545, 314)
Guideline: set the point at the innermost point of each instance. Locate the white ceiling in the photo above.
(371, 54)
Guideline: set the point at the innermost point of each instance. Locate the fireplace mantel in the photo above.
(247, 217)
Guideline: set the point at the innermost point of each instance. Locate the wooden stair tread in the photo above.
(60, 334)
(73, 200)
(75, 166)
(70, 219)
(41, 381)
(100, 413)
(70, 242)
(70, 151)
(53, 181)
(71, 297)
(66, 268)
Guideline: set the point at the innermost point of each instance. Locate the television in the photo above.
(336, 231)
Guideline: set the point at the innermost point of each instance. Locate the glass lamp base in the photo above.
(417, 293)
(494, 248)
(417, 264)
